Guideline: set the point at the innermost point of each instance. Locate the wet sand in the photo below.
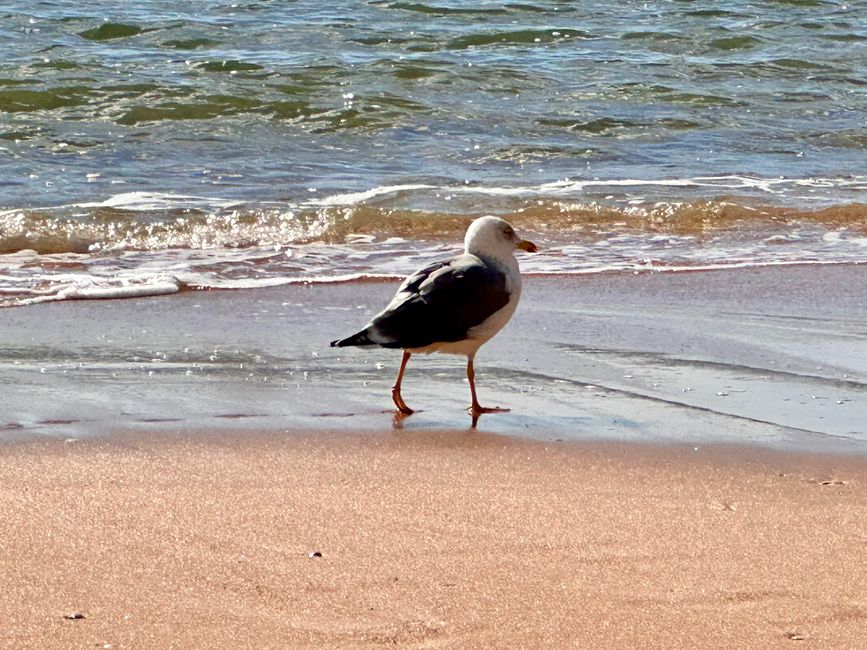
(767, 356)
(427, 539)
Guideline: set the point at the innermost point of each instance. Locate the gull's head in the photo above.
(494, 237)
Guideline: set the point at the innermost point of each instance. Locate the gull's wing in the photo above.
(440, 303)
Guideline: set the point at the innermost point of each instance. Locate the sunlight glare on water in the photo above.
(186, 141)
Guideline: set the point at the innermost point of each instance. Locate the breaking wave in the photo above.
(135, 244)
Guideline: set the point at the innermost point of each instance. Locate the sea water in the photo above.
(157, 146)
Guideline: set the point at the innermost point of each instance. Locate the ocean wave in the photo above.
(140, 243)
(141, 221)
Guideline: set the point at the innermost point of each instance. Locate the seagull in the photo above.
(452, 306)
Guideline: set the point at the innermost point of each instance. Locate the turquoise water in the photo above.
(209, 144)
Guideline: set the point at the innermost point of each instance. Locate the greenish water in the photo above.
(195, 140)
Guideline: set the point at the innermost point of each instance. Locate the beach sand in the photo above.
(447, 540)
(684, 466)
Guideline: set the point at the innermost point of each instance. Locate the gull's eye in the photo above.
(510, 232)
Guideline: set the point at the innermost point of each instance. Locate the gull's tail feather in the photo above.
(361, 339)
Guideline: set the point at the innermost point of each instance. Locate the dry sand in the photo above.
(447, 540)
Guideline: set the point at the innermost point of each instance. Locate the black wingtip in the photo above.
(359, 339)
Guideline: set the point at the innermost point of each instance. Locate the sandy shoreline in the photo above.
(644, 491)
(428, 539)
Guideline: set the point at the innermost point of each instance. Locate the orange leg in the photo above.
(395, 390)
(476, 408)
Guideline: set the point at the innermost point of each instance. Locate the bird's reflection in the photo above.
(399, 417)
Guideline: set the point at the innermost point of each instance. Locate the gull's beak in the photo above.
(528, 246)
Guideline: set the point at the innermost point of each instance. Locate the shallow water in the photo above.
(697, 358)
(156, 147)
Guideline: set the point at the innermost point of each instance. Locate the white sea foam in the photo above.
(841, 236)
(153, 201)
(568, 187)
(730, 182)
(83, 286)
(354, 198)
(213, 282)
(101, 288)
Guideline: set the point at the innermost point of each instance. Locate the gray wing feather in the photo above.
(440, 304)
